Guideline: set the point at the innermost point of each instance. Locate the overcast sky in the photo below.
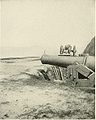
(47, 24)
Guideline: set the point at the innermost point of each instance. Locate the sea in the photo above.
(25, 51)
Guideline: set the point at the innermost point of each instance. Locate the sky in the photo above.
(46, 24)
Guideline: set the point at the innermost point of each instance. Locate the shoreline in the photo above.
(23, 57)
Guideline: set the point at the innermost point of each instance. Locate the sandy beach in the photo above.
(26, 94)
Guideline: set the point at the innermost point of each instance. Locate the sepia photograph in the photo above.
(47, 59)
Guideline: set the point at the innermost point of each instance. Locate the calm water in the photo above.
(25, 51)
(18, 51)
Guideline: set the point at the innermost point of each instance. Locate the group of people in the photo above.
(67, 49)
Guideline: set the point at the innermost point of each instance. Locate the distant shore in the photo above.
(25, 57)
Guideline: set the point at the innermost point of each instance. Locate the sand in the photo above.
(26, 94)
